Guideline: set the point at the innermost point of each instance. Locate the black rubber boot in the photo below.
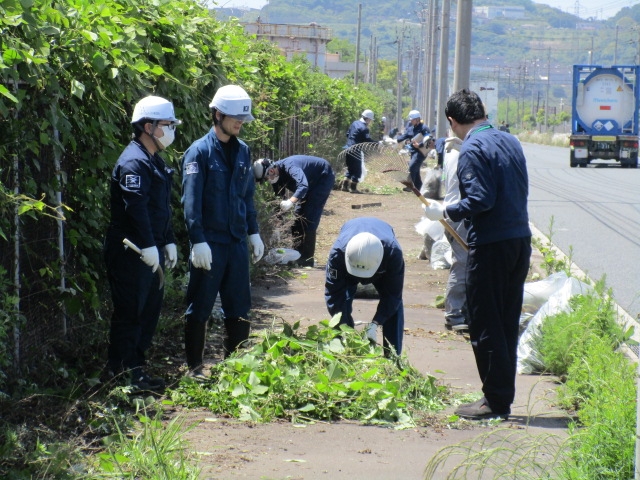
(194, 338)
(307, 249)
(237, 331)
(353, 187)
(344, 186)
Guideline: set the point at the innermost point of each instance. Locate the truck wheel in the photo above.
(572, 161)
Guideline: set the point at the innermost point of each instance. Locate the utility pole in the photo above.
(546, 101)
(508, 94)
(355, 81)
(443, 79)
(461, 72)
(426, 73)
(399, 81)
(431, 90)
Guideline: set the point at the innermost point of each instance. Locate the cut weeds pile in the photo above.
(325, 373)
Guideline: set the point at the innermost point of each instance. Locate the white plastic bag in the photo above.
(428, 227)
(528, 359)
(281, 255)
(439, 254)
(537, 293)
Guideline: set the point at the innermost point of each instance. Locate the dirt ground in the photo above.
(229, 449)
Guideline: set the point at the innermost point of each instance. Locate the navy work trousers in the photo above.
(137, 302)
(496, 273)
(229, 276)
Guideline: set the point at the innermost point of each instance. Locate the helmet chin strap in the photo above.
(155, 141)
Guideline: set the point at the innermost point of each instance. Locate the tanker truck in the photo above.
(604, 121)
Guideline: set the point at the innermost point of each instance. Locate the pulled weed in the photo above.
(325, 373)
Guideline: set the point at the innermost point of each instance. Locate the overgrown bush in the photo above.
(601, 385)
(565, 336)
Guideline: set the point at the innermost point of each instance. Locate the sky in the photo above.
(600, 9)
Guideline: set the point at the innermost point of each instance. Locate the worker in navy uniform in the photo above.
(358, 133)
(309, 181)
(140, 187)
(414, 127)
(367, 252)
(493, 182)
(221, 220)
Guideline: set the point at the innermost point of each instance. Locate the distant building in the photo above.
(502, 11)
(308, 40)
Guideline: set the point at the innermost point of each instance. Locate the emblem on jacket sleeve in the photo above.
(333, 273)
(191, 168)
(132, 181)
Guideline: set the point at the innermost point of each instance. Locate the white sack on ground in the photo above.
(528, 359)
(439, 252)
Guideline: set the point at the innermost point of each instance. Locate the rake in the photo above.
(386, 159)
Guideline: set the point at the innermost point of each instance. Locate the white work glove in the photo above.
(201, 256)
(286, 205)
(371, 331)
(151, 257)
(170, 255)
(434, 211)
(258, 247)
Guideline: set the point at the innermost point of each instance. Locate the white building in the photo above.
(503, 11)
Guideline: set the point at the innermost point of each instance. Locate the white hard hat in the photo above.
(363, 255)
(384, 119)
(413, 114)
(234, 102)
(260, 168)
(367, 114)
(154, 108)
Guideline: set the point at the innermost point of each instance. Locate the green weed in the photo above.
(150, 450)
(566, 336)
(601, 385)
(325, 373)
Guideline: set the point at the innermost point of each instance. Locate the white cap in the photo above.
(413, 114)
(363, 255)
(260, 168)
(234, 102)
(154, 108)
(367, 114)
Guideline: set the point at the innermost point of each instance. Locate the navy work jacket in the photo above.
(494, 186)
(218, 195)
(388, 279)
(300, 174)
(141, 198)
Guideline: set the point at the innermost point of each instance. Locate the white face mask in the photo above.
(273, 180)
(168, 137)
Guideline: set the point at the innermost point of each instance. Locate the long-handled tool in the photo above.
(384, 159)
(129, 244)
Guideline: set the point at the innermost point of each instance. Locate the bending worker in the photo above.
(140, 212)
(358, 133)
(219, 212)
(311, 180)
(416, 127)
(367, 252)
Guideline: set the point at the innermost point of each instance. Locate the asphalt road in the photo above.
(596, 217)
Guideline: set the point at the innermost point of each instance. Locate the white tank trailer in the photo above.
(604, 123)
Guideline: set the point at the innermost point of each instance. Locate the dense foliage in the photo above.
(70, 73)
